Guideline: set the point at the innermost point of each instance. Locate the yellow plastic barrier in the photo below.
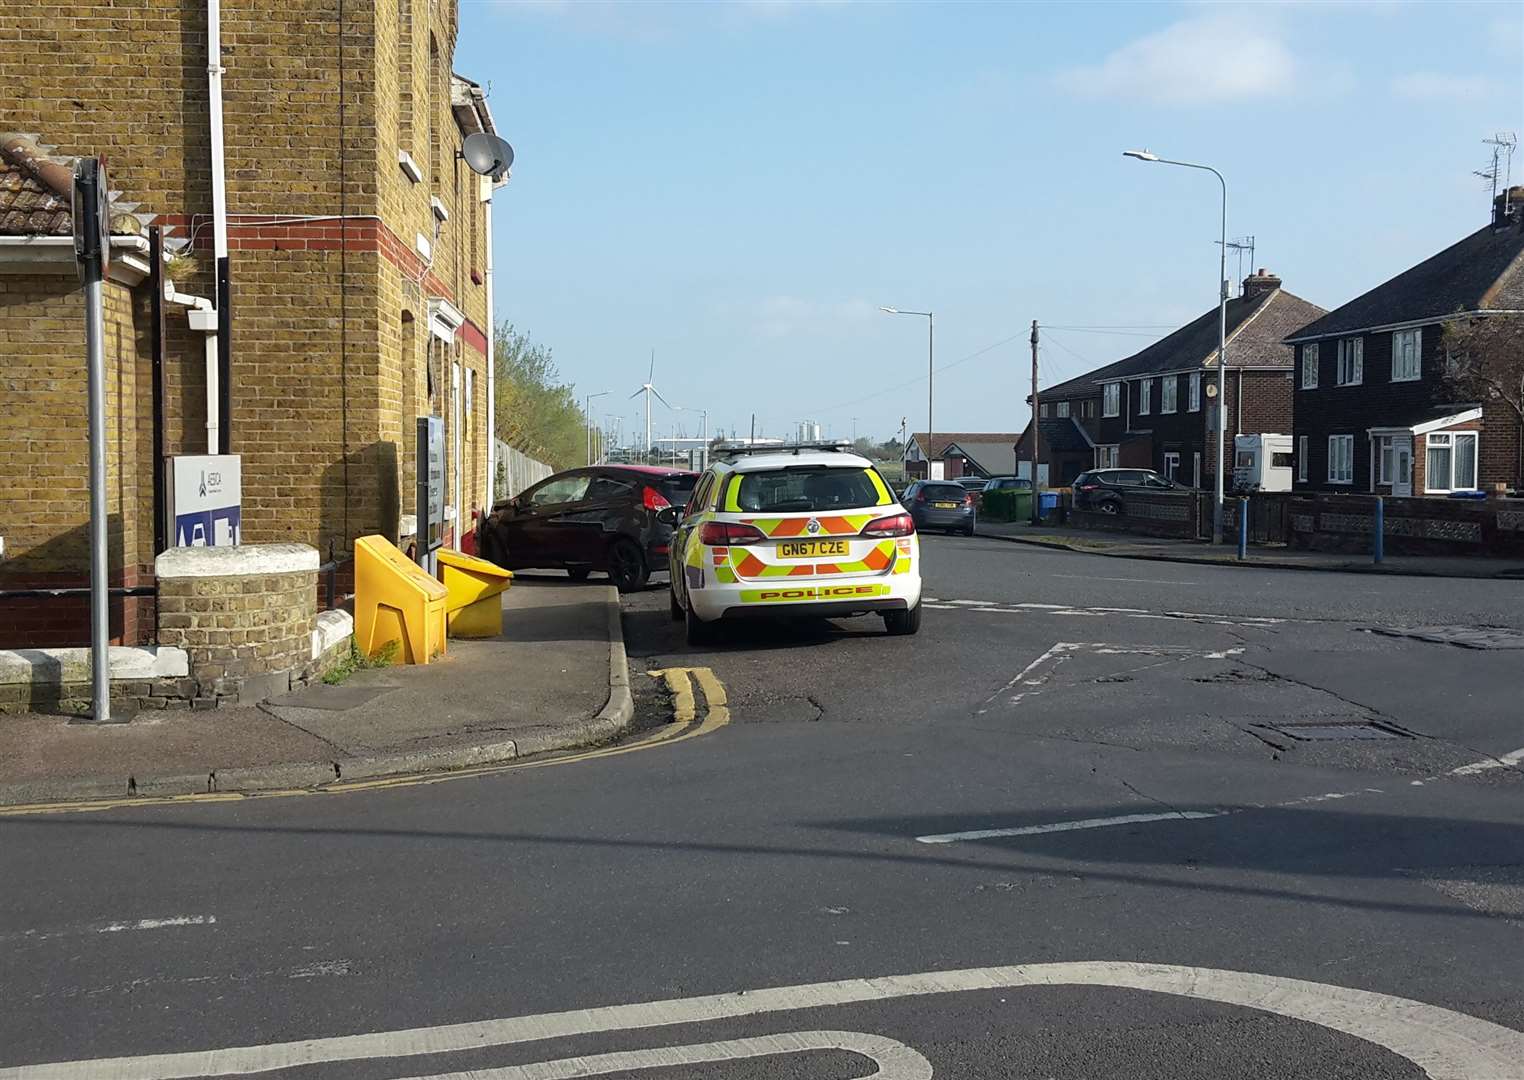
(473, 606)
(395, 601)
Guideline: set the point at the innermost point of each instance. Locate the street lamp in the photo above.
(587, 415)
(1222, 330)
(930, 371)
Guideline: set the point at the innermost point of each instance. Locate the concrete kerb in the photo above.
(1261, 562)
(610, 722)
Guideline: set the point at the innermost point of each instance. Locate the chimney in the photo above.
(1508, 207)
(1261, 281)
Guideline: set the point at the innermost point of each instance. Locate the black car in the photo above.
(604, 518)
(941, 504)
(1106, 490)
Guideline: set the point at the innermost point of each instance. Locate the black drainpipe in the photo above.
(224, 358)
(156, 307)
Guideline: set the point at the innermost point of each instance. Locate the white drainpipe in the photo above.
(202, 318)
(214, 90)
(491, 372)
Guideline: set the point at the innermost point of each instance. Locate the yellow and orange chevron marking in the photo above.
(783, 528)
(876, 561)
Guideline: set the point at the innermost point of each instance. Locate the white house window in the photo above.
(1406, 346)
(1384, 470)
(1193, 398)
(1451, 462)
(1106, 457)
(1301, 458)
(1063, 408)
(1310, 366)
(1169, 391)
(1351, 361)
(1111, 401)
(1341, 459)
(1044, 409)
(1145, 397)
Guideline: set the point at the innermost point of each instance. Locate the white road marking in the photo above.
(1061, 651)
(112, 926)
(895, 1060)
(1057, 650)
(1510, 760)
(1135, 580)
(1447, 1045)
(1004, 607)
(1068, 826)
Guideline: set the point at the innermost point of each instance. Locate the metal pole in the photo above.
(1243, 528)
(1222, 363)
(100, 613)
(1378, 531)
(1036, 436)
(931, 377)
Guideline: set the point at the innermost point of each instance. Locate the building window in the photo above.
(1171, 464)
(1406, 346)
(1351, 361)
(1384, 460)
(1062, 408)
(1111, 401)
(1451, 463)
(1043, 410)
(1087, 409)
(1301, 458)
(1169, 391)
(1310, 367)
(405, 74)
(1341, 459)
(1106, 457)
(1145, 397)
(1193, 398)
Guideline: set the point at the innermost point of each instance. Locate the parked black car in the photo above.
(1106, 490)
(941, 504)
(602, 518)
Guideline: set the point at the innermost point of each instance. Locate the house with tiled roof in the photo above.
(1152, 410)
(1375, 411)
(961, 453)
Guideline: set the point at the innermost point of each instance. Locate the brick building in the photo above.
(358, 259)
(1373, 411)
(1150, 410)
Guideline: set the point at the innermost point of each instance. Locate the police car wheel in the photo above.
(699, 632)
(903, 623)
(676, 609)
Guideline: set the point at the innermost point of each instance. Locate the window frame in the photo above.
(1044, 409)
(1111, 399)
(1346, 458)
(1350, 370)
(1193, 393)
(1303, 443)
(1310, 366)
(1451, 442)
(1061, 409)
(1145, 397)
(1415, 335)
(1169, 395)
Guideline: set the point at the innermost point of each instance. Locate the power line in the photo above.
(917, 379)
(1112, 331)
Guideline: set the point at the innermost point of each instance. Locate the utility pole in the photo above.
(1036, 434)
(753, 430)
(92, 251)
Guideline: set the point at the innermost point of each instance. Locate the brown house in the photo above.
(962, 453)
(357, 265)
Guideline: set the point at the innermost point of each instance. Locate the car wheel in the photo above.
(627, 566)
(1110, 506)
(674, 608)
(578, 573)
(492, 549)
(969, 531)
(698, 631)
(903, 623)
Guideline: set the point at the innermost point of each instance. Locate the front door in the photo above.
(1402, 465)
(1171, 465)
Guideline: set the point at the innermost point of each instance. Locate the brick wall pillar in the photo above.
(244, 615)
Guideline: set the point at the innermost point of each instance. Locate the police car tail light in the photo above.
(729, 534)
(653, 499)
(893, 525)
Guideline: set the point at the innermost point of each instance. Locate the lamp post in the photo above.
(930, 372)
(1222, 332)
(587, 415)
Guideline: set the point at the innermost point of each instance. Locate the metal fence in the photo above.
(515, 472)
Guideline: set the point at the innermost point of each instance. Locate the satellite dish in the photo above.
(487, 154)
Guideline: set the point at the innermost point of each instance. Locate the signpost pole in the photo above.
(92, 251)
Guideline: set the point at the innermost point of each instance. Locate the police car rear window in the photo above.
(799, 490)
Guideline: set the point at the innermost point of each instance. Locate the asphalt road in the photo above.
(1099, 818)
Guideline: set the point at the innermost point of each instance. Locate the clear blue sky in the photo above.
(740, 186)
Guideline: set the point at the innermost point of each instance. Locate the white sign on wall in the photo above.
(205, 500)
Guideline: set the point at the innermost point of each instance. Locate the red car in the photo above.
(601, 518)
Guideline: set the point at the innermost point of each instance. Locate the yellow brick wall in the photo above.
(323, 404)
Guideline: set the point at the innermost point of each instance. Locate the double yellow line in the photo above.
(680, 681)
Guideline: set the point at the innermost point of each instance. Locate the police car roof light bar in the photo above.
(823, 445)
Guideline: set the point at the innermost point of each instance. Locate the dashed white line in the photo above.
(1069, 826)
(111, 926)
(1510, 760)
(157, 924)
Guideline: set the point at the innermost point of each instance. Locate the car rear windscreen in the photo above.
(677, 489)
(943, 493)
(806, 488)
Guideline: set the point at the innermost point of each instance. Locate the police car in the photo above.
(793, 530)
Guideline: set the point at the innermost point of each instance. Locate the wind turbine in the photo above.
(647, 389)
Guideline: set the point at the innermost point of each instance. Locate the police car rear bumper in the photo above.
(831, 597)
(827, 609)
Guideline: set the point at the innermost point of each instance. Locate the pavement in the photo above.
(554, 680)
(1128, 546)
(1098, 818)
